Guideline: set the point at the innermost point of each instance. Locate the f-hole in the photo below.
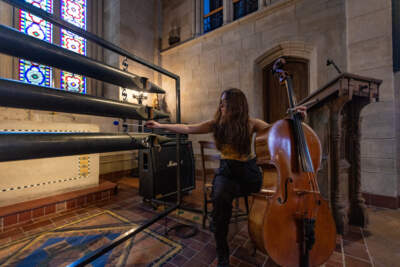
(275, 96)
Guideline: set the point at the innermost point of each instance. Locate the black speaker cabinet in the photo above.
(157, 170)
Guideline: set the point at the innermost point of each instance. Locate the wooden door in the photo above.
(276, 100)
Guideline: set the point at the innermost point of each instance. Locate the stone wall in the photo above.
(369, 33)
(6, 18)
(234, 54)
(133, 26)
(183, 22)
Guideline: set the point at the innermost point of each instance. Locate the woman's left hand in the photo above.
(302, 110)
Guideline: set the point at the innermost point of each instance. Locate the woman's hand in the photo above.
(152, 124)
(300, 109)
(198, 128)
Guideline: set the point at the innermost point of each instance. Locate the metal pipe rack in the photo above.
(18, 94)
(127, 80)
(18, 44)
(15, 145)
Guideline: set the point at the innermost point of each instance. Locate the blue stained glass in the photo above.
(74, 12)
(32, 25)
(34, 73)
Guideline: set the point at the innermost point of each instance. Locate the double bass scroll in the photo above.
(290, 220)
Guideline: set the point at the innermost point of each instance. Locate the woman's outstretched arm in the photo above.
(259, 124)
(198, 128)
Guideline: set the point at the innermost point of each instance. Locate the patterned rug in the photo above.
(62, 245)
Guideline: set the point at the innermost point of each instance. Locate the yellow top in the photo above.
(227, 152)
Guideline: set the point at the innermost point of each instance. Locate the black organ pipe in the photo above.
(21, 146)
(22, 95)
(20, 45)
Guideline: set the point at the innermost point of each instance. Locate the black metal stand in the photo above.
(308, 240)
(88, 258)
(140, 97)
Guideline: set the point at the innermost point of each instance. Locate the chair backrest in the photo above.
(209, 159)
(209, 162)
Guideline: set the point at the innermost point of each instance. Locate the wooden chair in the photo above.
(210, 162)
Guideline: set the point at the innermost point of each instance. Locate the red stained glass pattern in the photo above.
(74, 12)
(30, 72)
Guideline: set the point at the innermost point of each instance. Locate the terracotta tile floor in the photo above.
(377, 245)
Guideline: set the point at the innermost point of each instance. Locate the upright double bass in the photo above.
(291, 222)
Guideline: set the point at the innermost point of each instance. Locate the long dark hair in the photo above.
(233, 128)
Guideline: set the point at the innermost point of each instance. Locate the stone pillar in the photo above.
(111, 31)
(227, 11)
(95, 26)
(358, 210)
(340, 170)
(201, 16)
(6, 61)
(198, 22)
(261, 4)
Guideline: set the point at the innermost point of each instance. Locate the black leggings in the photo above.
(232, 179)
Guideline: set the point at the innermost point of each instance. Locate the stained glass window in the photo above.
(213, 14)
(34, 26)
(74, 12)
(243, 7)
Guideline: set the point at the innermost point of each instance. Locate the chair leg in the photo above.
(205, 212)
(236, 209)
(254, 253)
(246, 202)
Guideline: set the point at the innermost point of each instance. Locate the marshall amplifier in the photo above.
(157, 170)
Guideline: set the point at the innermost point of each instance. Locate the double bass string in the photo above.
(303, 155)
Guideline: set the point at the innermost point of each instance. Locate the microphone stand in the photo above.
(330, 61)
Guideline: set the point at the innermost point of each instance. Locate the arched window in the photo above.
(72, 11)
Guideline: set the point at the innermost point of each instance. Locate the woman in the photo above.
(238, 173)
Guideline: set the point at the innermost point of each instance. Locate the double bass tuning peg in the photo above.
(279, 63)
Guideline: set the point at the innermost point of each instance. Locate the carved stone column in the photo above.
(7, 62)
(228, 11)
(340, 167)
(198, 17)
(358, 214)
(261, 4)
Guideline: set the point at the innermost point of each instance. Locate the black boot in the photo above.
(223, 254)
(223, 262)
